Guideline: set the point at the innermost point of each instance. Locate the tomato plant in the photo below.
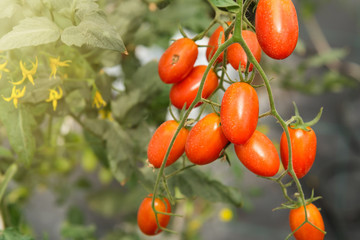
(307, 231)
(239, 112)
(277, 27)
(184, 92)
(160, 142)
(303, 144)
(146, 219)
(236, 54)
(205, 140)
(259, 155)
(178, 60)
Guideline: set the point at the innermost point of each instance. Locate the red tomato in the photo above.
(186, 90)
(205, 140)
(178, 60)
(214, 43)
(303, 145)
(259, 155)
(160, 142)
(307, 232)
(277, 27)
(146, 216)
(239, 112)
(237, 55)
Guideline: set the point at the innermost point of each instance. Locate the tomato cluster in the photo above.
(205, 140)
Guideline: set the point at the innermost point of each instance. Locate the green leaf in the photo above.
(13, 234)
(40, 91)
(93, 31)
(19, 123)
(228, 4)
(120, 147)
(30, 32)
(8, 8)
(5, 153)
(194, 183)
(10, 172)
(78, 232)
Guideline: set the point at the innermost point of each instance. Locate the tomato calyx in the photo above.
(296, 122)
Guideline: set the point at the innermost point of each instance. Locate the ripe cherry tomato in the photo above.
(146, 216)
(303, 145)
(237, 55)
(214, 43)
(178, 60)
(307, 231)
(160, 142)
(239, 112)
(277, 27)
(259, 155)
(186, 90)
(205, 140)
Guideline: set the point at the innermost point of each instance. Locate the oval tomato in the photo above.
(160, 142)
(186, 90)
(205, 140)
(236, 54)
(277, 27)
(146, 216)
(178, 60)
(307, 231)
(239, 112)
(303, 145)
(259, 155)
(214, 44)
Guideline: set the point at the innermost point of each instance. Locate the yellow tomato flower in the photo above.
(3, 68)
(54, 96)
(15, 95)
(226, 215)
(27, 74)
(55, 63)
(98, 100)
(105, 114)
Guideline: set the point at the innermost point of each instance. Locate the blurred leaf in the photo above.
(93, 31)
(120, 234)
(10, 172)
(86, 8)
(142, 91)
(30, 32)
(228, 4)
(5, 153)
(19, 123)
(13, 234)
(40, 91)
(8, 8)
(120, 147)
(196, 183)
(78, 232)
(325, 58)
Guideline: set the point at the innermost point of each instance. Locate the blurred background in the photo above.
(79, 195)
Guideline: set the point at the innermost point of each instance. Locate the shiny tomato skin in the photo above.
(277, 27)
(239, 112)
(178, 60)
(160, 141)
(307, 231)
(303, 145)
(259, 155)
(186, 90)
(237, 55)
(205, 140)
(214, 43)
(146, 216)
